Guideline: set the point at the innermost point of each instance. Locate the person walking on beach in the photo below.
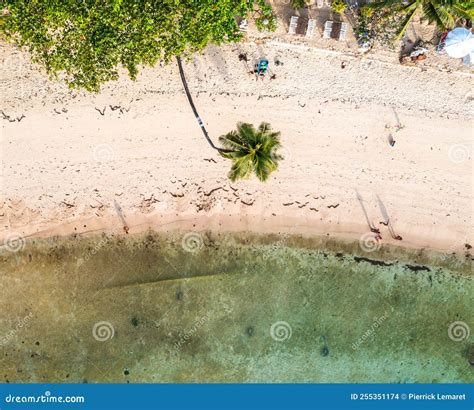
(391, 141)
(392, 232)
(387, 222)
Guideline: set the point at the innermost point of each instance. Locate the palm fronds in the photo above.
(252, 151)
(445, 13)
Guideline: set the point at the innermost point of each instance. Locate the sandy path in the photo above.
(65, 162)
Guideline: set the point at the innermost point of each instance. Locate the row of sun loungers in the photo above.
(343, 31)
(323, 3)
(293, 27)
(311, 27)
(329, 28)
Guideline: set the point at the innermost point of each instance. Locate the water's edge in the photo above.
(209, 307)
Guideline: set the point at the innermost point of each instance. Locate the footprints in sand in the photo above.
(175, 195)
(312, 203)
(101, 112)
(187, 195)
(15, 212)
(106, 108)
(112, 108)
(11, 118)
(61, 111)
(178, 196)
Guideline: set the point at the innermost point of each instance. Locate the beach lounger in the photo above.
(244, 25)
(293, 25)
(311, 27)
(327, 29)
(343, 32)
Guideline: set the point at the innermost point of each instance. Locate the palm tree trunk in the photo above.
(193, 107)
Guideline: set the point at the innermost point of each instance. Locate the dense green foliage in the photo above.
(87, 41)
(445, 13)
(339, 6)
(252, 151)
(299, 4)
(265, 18)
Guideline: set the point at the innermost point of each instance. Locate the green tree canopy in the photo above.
(445, 13)
(87, 41)
(252, 151)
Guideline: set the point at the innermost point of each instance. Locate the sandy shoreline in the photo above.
(67, 161)
(218, 223)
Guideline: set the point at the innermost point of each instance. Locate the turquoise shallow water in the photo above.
(204, 307)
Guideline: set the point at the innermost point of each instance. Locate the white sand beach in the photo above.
(70, 159)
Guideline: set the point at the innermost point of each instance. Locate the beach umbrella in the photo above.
(459, 43)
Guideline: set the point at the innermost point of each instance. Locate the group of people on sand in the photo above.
(378, 235)
(261, 67)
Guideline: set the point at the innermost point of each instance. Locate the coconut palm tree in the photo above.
(251, 150)
(193, 107)
(445, 13)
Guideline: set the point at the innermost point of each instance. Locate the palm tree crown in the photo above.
(444, 13)
(251, 151)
